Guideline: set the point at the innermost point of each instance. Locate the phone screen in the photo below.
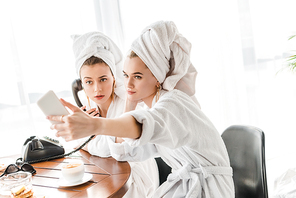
(50, 104)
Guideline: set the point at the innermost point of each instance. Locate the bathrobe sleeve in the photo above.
(100, 146)
(174, 121)
(125, 152)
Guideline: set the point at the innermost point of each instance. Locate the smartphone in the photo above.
(50, 104)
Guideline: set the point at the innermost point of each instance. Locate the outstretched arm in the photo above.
(129, 106)
(79, 125)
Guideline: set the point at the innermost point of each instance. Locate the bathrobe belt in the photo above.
(200, 178)
(184, 172)
(192, 182)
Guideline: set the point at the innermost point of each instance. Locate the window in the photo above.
(36, 56)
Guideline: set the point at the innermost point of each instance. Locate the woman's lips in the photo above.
(99, 97)
(130, 92)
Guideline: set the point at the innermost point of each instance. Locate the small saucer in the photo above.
(63, 182)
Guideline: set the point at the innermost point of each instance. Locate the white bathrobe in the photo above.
(144, 177)
(177, 130)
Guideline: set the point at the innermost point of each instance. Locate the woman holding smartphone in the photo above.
(158, 71)
(98, 62)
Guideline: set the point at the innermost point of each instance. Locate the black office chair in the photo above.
(163, 169)
(246, 150)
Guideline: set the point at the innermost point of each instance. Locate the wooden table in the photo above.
(109, 178)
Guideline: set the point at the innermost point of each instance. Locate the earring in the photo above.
(112, 94)
(158, 88)
(88, 101)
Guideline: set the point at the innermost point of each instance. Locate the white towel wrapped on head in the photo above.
(167, 54)
(99, 45)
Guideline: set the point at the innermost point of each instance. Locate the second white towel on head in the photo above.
(167, 54)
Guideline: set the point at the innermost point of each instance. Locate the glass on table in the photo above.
(14, 180)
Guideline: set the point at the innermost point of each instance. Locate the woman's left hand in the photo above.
(91, 112)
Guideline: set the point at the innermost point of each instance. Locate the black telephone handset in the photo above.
(76, 87)
(35, 149)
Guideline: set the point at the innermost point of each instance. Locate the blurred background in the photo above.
(239, 48)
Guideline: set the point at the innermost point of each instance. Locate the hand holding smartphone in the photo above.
(50, 104)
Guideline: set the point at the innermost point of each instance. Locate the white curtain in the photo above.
(271, 91)
(108, 20)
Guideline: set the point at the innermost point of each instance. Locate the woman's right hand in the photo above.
(75, 126)
(78, 125)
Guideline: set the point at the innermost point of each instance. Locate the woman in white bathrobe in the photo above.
(158, 72)
(104, 96)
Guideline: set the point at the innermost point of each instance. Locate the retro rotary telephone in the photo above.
(39, 150)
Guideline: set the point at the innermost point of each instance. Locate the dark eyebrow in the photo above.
(138, 73)
(103, 76)
(91, 77)
(134, 73)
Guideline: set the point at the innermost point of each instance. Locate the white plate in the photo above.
(4, 162)
(63, 182)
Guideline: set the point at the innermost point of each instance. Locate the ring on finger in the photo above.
(62, 118)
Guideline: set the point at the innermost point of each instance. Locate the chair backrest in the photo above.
(163, 169)
(246, 150)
